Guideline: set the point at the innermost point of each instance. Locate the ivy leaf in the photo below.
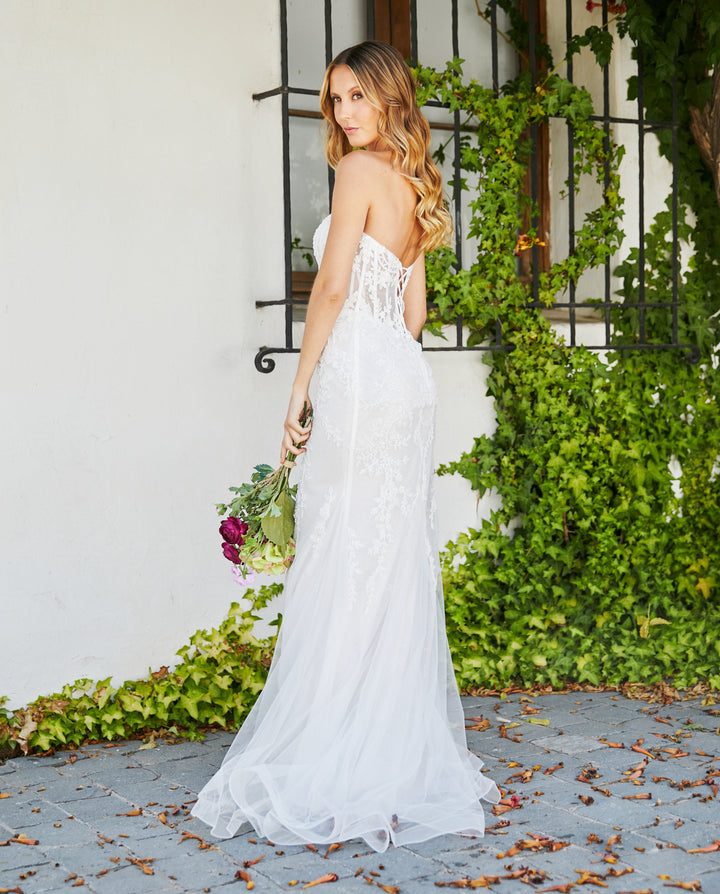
(704, 584)
(646, 623)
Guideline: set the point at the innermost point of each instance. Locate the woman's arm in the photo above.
(350, 206)
(416, 299)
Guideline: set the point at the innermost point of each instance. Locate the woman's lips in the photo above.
(350, 129)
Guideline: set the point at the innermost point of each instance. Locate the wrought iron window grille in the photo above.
(571, 310)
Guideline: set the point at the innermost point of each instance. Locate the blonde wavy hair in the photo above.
(388, 85)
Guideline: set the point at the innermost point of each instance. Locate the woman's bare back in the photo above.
(391, 216)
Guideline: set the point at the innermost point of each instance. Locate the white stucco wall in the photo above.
(140, 219)
(140, 204)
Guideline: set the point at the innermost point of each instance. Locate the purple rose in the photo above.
(231, 552)
(232, 530)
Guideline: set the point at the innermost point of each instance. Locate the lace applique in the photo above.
(377, 282)
(372, 370)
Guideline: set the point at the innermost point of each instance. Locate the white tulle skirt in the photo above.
(359, 731)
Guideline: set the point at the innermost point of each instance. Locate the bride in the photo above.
(359, 731)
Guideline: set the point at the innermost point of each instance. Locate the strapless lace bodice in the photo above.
(377, 282)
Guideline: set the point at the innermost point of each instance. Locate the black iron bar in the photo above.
(556, 305)
(535, 252)
(413, 33)
(328, 32)
(287, 195)
(606, 170)
(641, 196)
(265, 364)
(675, 246)
(328, 60)
(277, 91)
(494, 48)
(457, 172)
(571, 180)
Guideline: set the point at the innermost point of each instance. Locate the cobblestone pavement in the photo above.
(600, 790)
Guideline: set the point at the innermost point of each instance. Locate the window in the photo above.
(433, 32)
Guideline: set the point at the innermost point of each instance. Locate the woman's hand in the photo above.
(295, 432)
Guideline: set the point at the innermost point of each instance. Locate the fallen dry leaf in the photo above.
(390, 889)
(478, 723)
(715, 846)
(23, 839)
(142, 864)
(503, 728)
(612, 841)
(202, 844)
(587, 774)
(248, 863)
(245, 876)
(641, 796)
(333, 847)
(640, 750)
(522, 775)
(330, 877)
(534, 843)
(137, 812)
(527, 875)
(684, 886)
(587, 877)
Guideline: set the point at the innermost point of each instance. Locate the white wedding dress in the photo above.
(359, 731)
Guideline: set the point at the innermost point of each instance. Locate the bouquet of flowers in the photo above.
(258, 531)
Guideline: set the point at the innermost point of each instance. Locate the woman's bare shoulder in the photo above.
(356, 164)
(364, 165)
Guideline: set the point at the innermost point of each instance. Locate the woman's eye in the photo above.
(357, 96)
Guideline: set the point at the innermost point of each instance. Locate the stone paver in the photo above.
(580, 799)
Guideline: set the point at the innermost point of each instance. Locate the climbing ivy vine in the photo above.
(601, 564)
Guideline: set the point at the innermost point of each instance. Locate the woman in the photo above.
(359, 731)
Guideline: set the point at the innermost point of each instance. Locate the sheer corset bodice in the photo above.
(377, 282)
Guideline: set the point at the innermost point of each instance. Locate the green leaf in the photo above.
(279, 526)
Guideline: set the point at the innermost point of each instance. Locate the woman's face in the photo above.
(353, 112)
